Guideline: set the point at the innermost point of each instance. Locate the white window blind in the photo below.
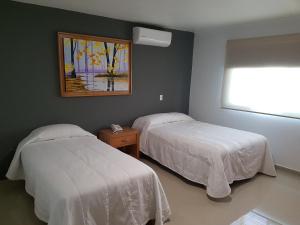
(263, 75)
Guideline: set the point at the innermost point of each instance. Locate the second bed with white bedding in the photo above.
(211, 155)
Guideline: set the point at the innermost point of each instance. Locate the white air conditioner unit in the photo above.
(145, 36)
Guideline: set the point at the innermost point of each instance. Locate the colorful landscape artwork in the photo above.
(94, 66)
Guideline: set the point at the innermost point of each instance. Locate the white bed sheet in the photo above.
(83, 181)
(211, 155)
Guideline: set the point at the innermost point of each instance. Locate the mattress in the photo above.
(83, 181)
(204, 153)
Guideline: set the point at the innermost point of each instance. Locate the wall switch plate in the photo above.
(161, 97)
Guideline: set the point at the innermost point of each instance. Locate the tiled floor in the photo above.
(275, 198)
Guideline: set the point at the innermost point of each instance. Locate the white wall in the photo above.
(206, 84)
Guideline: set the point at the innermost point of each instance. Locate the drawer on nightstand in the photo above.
(123, 140)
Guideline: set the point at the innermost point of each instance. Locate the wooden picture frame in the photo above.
(94, 66)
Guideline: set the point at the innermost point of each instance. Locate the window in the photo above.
(263, 75)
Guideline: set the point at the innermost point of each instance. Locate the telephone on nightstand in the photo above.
(116, 128)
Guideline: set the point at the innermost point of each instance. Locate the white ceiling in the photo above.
(180, 14)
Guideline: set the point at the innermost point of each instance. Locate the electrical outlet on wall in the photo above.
(161, 97)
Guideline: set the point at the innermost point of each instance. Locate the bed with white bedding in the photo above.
(76, 179)
(211, 155)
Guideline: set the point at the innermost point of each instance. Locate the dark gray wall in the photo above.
(29, 90)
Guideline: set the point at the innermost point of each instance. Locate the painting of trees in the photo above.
(73, 47)
(94, 65)
(112, 66)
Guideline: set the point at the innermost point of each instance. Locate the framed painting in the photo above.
(94, 66)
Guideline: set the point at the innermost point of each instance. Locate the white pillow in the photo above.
(159, 118)
(57, 131)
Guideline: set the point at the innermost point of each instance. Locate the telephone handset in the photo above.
(116, 128)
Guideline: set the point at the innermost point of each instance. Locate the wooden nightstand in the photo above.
(128, 139)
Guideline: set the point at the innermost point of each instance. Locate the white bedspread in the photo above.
(211, 155)
(83, 181)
